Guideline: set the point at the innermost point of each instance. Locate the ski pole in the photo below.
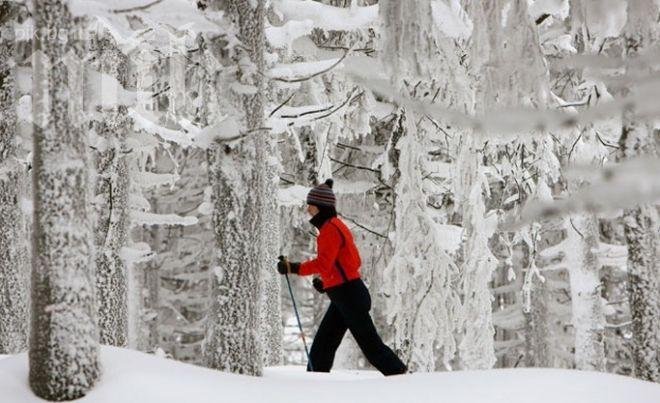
(295, 310)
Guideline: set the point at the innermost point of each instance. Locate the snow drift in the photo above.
(134, 377)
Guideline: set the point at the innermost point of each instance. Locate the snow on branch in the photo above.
(226, 130)
(190, 135)
(114, 16)
(496, 123)
(136, 253)
(145, 218)
(614, 187)
(328, 17)
(143, 123)
(448, 15)
(282, 36)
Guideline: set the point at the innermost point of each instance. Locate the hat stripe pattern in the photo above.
(322, 195)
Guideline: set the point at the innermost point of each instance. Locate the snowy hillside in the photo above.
(131, 376)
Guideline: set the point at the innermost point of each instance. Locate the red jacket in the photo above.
(335, 249)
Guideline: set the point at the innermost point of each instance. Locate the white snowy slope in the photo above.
(133, 377)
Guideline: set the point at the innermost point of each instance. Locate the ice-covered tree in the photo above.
(64, 335)
(14, 252)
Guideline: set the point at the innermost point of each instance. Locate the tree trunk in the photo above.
(641, 231)
(537, 295)
(241, 184)
(537, 329)
(271, 303)
(641, 226)
(64, 335)
(587, 307)
(14, 252)
(112, 185)
(477, 349)
(143, 279)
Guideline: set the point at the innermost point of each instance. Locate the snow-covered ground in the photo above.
(131, 376)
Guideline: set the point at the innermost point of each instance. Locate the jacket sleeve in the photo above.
(327, 248)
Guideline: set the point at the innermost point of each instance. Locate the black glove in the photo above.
(284, 266)
(318, 284)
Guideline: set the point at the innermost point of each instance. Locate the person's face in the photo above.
(312, 210)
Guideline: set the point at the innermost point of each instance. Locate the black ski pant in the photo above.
(349, 310)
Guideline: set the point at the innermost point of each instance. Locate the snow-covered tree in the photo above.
(241, 184)
(111, 191)
(270, 310)
(587, 309)
(14, 252)
(423, 306)
(441, 122)
(639, 138)
(64, 335)
(476, 346)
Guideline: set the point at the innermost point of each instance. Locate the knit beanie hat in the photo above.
(322, 195)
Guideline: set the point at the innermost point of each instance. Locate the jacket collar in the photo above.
(322, 217)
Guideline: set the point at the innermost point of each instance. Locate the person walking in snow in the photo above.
(338, 264)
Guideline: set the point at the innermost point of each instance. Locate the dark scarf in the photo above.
(324, 214)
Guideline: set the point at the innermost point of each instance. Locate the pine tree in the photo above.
(64, 335)
(14, 254)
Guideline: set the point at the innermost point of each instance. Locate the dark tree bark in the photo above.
(14, 253)
(641, 227)
(64, 335)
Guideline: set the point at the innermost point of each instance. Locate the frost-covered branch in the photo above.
(498, 122)
(292, 73)
(328, 17)
(614, 187)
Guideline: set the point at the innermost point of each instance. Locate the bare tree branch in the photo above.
(138, 8)
(282, 104)
(297, 80)
(362, 226)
